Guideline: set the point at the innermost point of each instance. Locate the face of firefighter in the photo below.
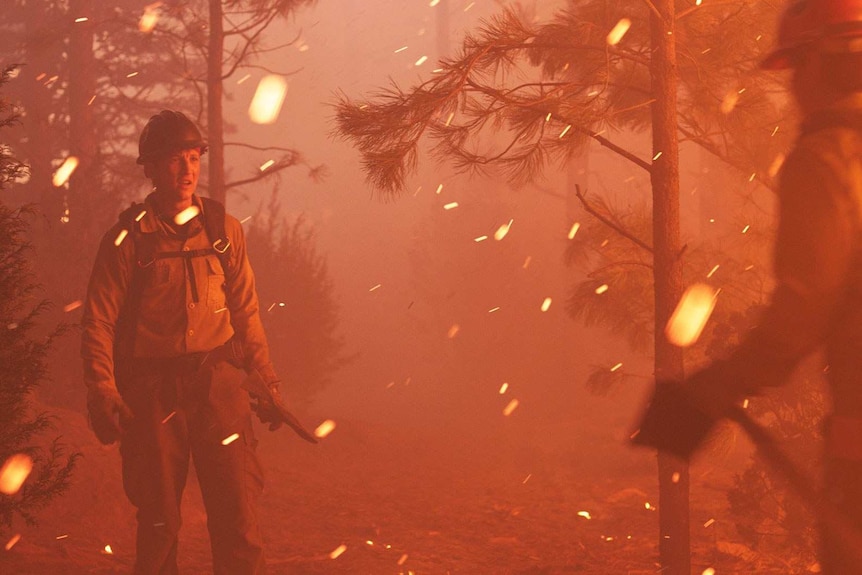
(175, 179)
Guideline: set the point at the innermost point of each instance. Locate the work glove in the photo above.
(680, 415)
(267, 407)
(107, 410)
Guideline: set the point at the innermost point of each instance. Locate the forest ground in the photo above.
(409, 501)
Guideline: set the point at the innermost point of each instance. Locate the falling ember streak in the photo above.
(266, 164)
(503, 388)
(450, 205)
(72, 306)
(93, 99)
(14, 473)
(745, 404)
(775, 131)
(421, 61)
(187, 215)
(512, 406)
(338, 551)
(107, 550)
(617, 32)
(453, 331)
(230, 439)
(565, 130)
(527, 478)
(324, 429)
(82, 19)
(132, 74)
(617, 366)
(439, 189)
(120, 237)
(270, 307)
(675, 477)
(11, 543)
(548, 117)
(268, 99)
(449, 119)
(601, 289)
(402, 560)
(649, 506)
(502, 231)
(698, 2)
(775, 166)
(585, 514)
(58, 537)
(656, 157)
(243, 79)
(712, 271)
(690, 316)
(745, 229)
(245, 219)
(376, 287)
(169, 417)
(64, 172)
(546, 304)
(369, 542)
(401, 49)
(480, 239)
(708, 523)
(493, 309)
(527, 262)
(574, 230)
(708, 571)
(470, 5)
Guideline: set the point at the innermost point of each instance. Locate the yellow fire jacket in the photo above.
(170, 321)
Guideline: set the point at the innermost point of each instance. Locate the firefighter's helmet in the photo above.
(827, 26)
(168, 131)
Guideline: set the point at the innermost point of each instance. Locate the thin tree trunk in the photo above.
(674, 532)
(215, 122)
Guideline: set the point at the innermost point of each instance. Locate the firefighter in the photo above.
(171, 314)
(817, 302)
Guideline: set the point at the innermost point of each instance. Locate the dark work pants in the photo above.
(181, 413)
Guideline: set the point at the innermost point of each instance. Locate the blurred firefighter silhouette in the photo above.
(817, 302)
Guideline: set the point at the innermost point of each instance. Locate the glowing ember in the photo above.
(450, 206)
(503, 388)
(266, 164)
(527, 478)
(433, 3)
(527, 261)
(11, 543)
(480, 239)
(149, 18)
(449, 119)
(649, 506)
(745, 229)
(401, 49)
(372, 288)
(574, 230)
(585, 514)
(617, 366)
(230, 439)
(513, 405)
(493, 309)
(369, 542)
(439, 189)
(502, 231)
(141, 215)
(268, 98)
(107, 550)
(402, 560)
(708, 571)
(712, 271)
(708, 523)
(58, 537)
(72, 306)
(565, 130)
(421, 60)
(729, 102)
(745, 404)
(453, 331)
(690, 316)
(618, 31)
(546, 304)
(169, 416)
(324, 428)
(602, 289)
(656, 157)
(775, 166)
(675, 477)
(187, 215)
(64, 172)
(82, 19)
(14, 473)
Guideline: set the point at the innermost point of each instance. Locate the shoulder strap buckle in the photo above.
(221, 245)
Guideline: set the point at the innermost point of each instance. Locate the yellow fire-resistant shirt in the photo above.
(170, 322)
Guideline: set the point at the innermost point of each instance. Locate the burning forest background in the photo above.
(450, 215)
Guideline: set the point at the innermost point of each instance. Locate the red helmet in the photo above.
(168, 131)
(836, 25)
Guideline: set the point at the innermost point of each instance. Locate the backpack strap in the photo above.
(214, 219)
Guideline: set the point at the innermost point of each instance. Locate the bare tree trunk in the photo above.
(215, 122)
(674, 532)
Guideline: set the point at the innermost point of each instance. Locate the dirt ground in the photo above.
(404, 501)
